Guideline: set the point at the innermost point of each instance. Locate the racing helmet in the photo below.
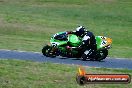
(80, 30)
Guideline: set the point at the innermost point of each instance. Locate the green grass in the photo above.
(28, 74)
(27, 25)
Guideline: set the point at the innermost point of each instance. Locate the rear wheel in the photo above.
(102, 54)
(85, 55)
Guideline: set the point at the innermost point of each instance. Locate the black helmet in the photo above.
(80, 30)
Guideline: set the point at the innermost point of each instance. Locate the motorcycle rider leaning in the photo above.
(88, 39)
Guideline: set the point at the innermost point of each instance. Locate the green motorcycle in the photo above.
(59, 43)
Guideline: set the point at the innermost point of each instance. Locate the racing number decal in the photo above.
(55, 43)
(104, 42)
(103, 37)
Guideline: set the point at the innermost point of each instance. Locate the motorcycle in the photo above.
(59, 43)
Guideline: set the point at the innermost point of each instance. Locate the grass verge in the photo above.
(28, 74)
(27, 25)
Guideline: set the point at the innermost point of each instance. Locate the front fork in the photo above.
(53, 51)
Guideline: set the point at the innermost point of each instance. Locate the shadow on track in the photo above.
(80, 59)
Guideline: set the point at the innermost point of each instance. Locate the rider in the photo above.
(88, 39)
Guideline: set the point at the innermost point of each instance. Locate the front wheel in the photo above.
(46, 49)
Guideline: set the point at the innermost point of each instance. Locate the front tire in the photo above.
(46, 50)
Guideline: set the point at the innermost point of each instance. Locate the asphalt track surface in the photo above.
(107, 63)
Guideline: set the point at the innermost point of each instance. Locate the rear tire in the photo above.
(102, 54)
(85, 55)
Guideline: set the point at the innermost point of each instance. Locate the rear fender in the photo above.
(103, 42)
